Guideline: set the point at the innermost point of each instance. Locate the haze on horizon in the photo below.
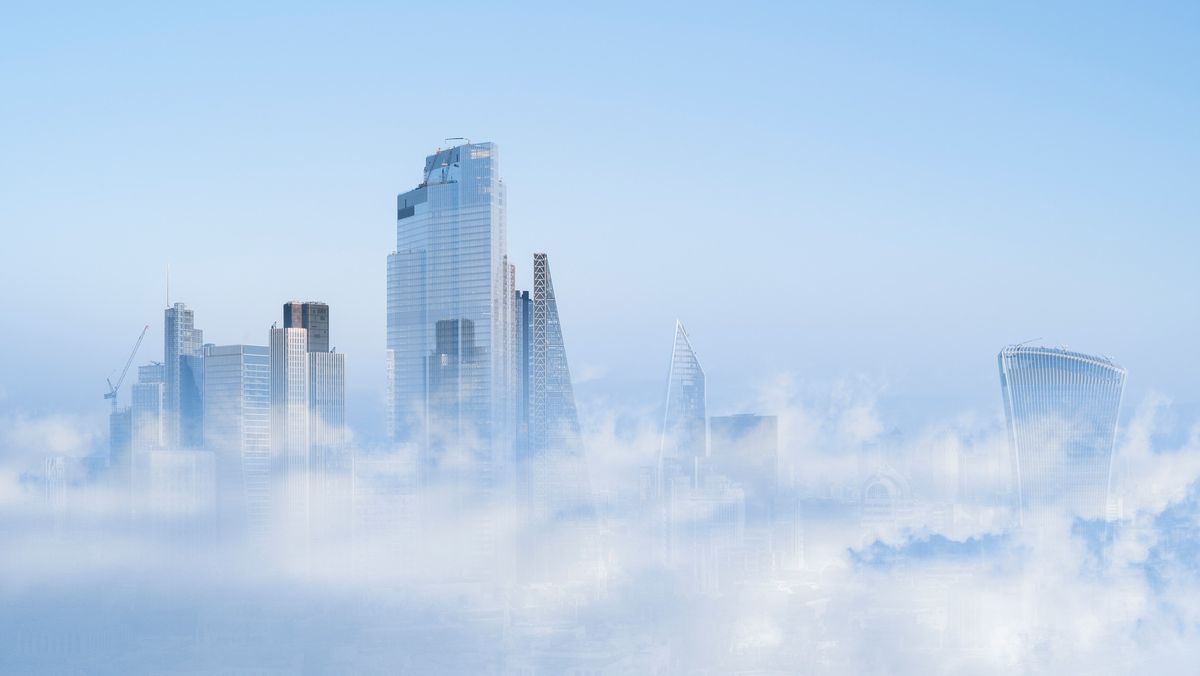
(886, 196)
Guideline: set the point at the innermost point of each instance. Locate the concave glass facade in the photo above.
(1061, 408)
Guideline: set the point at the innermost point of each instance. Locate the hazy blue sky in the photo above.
(882, 191)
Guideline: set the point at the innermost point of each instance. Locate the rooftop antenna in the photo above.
(168, 285)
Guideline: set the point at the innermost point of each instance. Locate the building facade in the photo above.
(237, 428)
(290, 425)
(684, 429)
(1061, 410)
(182, 379)
(147, 409)
(310, 315)
(523, 340)
(554, 421)
(451, 325)
(330, 464)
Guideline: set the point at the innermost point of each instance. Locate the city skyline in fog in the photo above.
(934, 409)
(813, 158)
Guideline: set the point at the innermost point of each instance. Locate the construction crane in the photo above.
(112, 389)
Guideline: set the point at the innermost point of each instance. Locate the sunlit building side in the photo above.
(450, 311)
(237, 428)
(290, 425)
(1061, 409)
(450, 307)
(182, 362)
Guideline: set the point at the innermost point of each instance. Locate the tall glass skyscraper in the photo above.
(237, 428)
(551, 469)
(1061, 409)
(451, 306)
(290, 424)
(326, 386)
(553, 420)
(523, 342)
(147, 428)
(182, 364)
(684, 423)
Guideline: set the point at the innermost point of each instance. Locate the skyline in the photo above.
(483, 394)
(841, 183)
(934, 409)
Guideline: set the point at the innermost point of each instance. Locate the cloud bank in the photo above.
(449, 578)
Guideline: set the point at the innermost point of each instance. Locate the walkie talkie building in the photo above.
(1061, 408)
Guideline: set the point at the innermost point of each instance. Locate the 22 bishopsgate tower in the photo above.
(451, 334)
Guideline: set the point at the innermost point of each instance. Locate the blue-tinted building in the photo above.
(183, 378)
(451, 303)
(553, 419)
(290, 427)
(148, 424)
(237, 428)
(684, 428)
(1061, 409)
(524, 345)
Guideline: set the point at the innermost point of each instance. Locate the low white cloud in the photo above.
(462, 577)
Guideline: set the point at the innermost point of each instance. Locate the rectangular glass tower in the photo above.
(183, 377)
(237, 428)
(450, 329)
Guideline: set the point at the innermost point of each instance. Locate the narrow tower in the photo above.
(553, 420)
(683, 431)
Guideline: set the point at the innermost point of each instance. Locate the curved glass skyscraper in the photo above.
(1061, 408)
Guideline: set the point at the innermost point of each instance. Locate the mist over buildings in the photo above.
(229, 519)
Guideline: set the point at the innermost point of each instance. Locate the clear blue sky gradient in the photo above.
(892, 191)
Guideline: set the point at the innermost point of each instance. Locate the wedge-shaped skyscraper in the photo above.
(684, 423)
(552, 468)
(553, 420)
(1061, 409)
(450, 330)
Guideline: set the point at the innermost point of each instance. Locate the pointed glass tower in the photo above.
(553, 420)
(683, 429)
